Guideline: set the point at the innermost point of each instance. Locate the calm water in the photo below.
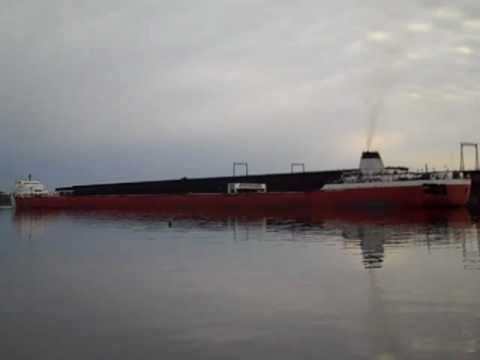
(151, 286)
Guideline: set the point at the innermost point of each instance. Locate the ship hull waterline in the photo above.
(411, 195)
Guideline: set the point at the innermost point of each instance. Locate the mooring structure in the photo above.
(473, 145)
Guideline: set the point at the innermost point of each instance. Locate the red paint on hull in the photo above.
(389, 197)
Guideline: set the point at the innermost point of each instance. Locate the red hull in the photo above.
(383, 197)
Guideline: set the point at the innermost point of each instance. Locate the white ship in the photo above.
(30, 188)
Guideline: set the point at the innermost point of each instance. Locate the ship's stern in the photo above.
(451, 193)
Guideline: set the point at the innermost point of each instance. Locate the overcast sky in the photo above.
(96, 91)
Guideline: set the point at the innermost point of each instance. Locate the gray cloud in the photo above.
(99, 91)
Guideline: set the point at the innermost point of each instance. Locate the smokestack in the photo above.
(371, 163)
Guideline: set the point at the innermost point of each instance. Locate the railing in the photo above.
(358, 177)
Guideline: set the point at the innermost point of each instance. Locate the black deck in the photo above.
(306, 181)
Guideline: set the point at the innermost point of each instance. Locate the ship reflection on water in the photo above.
(283, 285)
(371, 232)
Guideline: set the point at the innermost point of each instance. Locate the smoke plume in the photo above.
(375, 110)
(382, 81)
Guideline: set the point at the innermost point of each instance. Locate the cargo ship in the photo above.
(371, 186)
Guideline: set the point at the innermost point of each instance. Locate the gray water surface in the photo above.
(151, 286)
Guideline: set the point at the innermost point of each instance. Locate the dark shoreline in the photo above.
(5, 199)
